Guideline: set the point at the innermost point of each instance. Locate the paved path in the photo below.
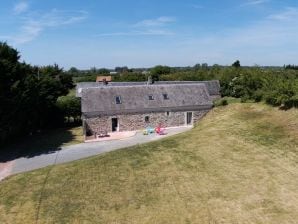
(79, 151)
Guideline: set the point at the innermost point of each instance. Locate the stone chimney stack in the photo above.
(150, 80)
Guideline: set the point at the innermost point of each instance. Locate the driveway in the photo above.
(79, 151)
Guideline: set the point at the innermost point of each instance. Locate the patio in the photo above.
(111, 136)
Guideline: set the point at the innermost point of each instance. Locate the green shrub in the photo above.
(224, 102)
(258, 96)
(292, 102)
(221, 102)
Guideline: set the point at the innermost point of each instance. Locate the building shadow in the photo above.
(46, 142)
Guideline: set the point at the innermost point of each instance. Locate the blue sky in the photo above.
(144, 33)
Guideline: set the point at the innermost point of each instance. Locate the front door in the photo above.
(189, 118)
(114, 124)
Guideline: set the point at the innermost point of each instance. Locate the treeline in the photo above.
(277, 87)
(29, 96)
(293, 67)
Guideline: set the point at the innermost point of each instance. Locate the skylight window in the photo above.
(118, 100)
(151, 97)
(165, 96)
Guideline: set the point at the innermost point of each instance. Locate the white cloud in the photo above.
(138, 33)
(34, 25)
(254, 2)
(20, 7)
(148, 27)
(158, 22)
(272, 40)
(289, 14)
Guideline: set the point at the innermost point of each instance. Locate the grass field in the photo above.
(238, 165)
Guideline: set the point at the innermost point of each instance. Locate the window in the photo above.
(188, 118)
(118, 100)
(151, 97)
(147, 119)
(165, 96)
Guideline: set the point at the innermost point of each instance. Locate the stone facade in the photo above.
(198, 115)
(132, 122)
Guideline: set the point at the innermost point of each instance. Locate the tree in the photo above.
(93, 70)
(56, 73)
(28, 94)
(236, 64)
(123, 69)
(197, 66)
(12, 79)
(205, 66)
(159, 70)
(73, 71)
(103, 71)
(70, 107)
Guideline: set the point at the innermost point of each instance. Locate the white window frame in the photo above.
(168, 115)
(191, 123)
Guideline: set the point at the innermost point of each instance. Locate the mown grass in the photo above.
(238, 165)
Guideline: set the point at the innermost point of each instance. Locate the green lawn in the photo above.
(238, 165)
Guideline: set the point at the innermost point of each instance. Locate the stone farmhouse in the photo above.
(129, 106)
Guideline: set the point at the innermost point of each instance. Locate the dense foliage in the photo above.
(28, 95)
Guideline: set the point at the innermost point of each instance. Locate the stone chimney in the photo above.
(105, 82)
(150, 80)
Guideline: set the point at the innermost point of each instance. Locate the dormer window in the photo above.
(151, 97)
(118, 100)
(165, 96)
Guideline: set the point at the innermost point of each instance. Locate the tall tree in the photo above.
(236, 64)
(28, 94)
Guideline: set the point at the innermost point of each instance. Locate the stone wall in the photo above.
(97, 125)
(132, 122)
(137, 121)
(197, 115)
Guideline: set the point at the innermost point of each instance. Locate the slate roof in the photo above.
(135, 99)
(213, 86)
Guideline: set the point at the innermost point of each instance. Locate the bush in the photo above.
(292, 102)
(244, 99)
(221, 102)
(224, 102)
(70, 108)
(258, 96)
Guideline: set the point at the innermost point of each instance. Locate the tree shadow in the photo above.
(285, 108)
(46, 142)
